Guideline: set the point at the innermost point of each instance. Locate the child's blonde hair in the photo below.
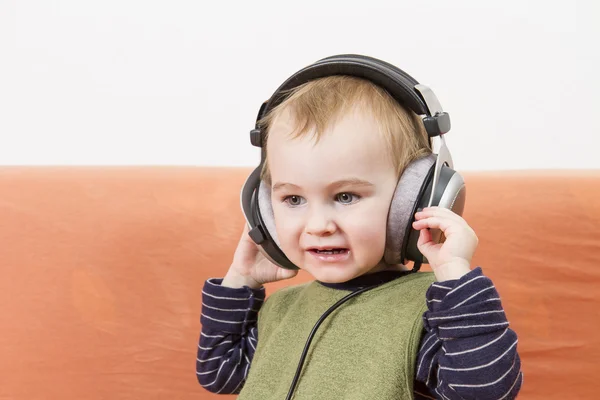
(319, 103)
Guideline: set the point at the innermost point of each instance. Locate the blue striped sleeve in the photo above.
(468, 351)
(228, 337)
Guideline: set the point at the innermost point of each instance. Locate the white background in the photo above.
(179, 82)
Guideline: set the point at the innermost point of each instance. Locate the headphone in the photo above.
(427, 181)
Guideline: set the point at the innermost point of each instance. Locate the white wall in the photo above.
(180, 81)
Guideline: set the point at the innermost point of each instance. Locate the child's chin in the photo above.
(332, 274)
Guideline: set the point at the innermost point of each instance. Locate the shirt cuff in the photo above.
(464, 307)
(230, 310)
(436, 294)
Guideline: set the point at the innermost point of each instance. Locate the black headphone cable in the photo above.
(314, 330)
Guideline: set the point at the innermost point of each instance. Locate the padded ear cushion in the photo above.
(266, 210)
(403, 206)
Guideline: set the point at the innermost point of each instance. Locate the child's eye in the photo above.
(294, 200)
(347, 198)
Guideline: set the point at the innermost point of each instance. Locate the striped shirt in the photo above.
(467, 349)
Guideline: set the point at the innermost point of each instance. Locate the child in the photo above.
(336, 148)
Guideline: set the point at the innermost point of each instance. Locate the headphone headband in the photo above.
(400, 85)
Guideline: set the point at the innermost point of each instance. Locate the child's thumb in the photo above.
(283, 273)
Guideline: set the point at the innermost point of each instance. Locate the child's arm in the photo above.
(229, 312)
(229, 335)
(469, 351)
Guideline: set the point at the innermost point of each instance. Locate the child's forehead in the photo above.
(354, 123)
(351, 145)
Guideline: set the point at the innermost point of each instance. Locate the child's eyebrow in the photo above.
(350, 182)
(332, 186)
(282, 185)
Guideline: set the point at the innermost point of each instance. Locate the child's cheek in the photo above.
(367, 231)
(289, 227)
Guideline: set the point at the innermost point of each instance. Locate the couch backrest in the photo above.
(102, 268)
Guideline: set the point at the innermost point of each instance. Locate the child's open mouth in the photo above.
(332, 255)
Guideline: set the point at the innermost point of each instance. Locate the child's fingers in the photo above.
(439, 212)
(434, 222)
(285, 273)
(424, 238)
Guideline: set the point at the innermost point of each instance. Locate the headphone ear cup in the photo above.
(412, 192)
(257, 209)
(263, 214)
(265, 210)
(409, 192)
(450, 193)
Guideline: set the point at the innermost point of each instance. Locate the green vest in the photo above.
(365, 349)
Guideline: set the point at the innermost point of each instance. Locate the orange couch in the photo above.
(101, 270)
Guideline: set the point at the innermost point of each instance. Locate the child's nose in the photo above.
(320, 223)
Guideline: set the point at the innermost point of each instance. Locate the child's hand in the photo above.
(251, 268)
(451, 259)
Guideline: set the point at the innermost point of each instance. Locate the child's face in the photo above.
(331, 195)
